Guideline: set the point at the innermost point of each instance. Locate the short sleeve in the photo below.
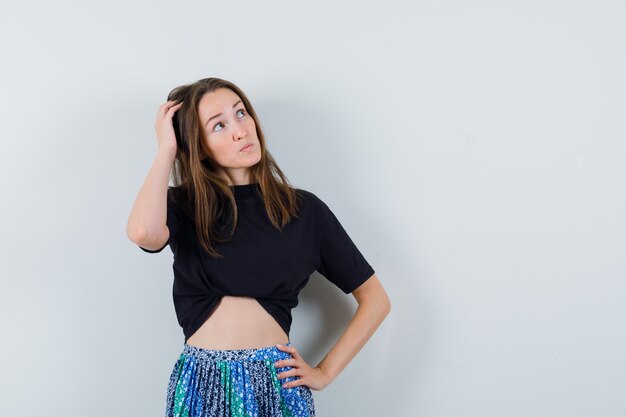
(172, 222)
(341, 262)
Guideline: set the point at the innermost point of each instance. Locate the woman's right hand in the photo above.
(164, 128)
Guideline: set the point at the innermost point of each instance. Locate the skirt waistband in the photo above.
(243, 355)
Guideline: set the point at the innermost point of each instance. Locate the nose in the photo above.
(240, 132)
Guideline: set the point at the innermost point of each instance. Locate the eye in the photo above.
(220, 123)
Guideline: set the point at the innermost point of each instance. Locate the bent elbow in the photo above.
(137, 236)
(387, 307)
(385, 303)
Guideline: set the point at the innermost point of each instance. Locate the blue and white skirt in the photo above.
(234, 383)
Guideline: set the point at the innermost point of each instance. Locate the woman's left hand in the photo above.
(313, 377)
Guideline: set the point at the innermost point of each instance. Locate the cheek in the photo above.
(218, 148)
(251, 126)
(226, 152)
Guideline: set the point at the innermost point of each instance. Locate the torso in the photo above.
(238, 323)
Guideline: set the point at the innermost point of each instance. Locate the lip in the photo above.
(246, 147)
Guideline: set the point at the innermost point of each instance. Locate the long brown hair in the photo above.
(204, 195)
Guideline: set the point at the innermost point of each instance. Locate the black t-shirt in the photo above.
(260, 261)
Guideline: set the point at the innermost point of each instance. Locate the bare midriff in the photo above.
(238, 323)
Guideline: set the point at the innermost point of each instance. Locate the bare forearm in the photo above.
(368, 316)
(148, 215)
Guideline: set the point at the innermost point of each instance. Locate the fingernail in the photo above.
(278, 345)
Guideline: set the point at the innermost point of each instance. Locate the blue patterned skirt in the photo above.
(234, 383)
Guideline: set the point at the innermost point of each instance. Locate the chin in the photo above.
(258, 159)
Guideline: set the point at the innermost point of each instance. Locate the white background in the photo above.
(473, 150)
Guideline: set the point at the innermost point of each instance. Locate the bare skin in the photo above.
(238, 323)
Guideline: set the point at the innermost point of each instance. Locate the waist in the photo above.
(244, 355)
(238, 323)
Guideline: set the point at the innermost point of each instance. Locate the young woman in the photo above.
(245, 243)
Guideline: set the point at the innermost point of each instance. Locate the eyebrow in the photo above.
(219, 114)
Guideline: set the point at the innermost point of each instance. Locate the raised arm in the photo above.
(146, 225)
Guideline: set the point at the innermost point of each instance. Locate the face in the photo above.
(227, 129)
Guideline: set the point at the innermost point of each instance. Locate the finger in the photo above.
(172, 105)
(293, 383)
(286, 374)
(287, 365)
(171, 110)
(167, 104)
(163, 108)
(294, 352)
(284, 347)
(284, 363)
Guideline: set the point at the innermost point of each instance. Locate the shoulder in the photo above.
(309, 198)
(312, 203)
